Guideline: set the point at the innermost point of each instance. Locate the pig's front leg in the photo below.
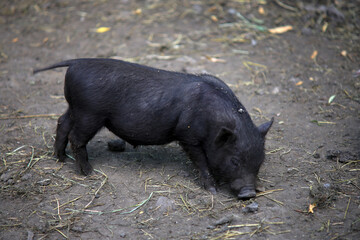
(198, 157)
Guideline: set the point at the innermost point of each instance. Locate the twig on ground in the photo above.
(97, 191)
(347, 208)
(287, 7)
(61, 233)
(51, 115)
(69, 180)
(58, 208)
(268, 192)
(75, 199)
(277, 201)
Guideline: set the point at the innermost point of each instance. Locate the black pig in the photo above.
(148, 106)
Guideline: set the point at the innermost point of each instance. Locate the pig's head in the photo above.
(237, 155)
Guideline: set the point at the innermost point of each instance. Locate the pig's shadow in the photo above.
(169, 158)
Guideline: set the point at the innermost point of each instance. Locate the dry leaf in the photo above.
(279, 30)
(138, 11)
(36, 44)
(311, 208)
(314, 54)
(261, 10)
(299, 83)
(215, 60)
(331, 99)
(102, 29)
(214, 18)
(325, 26)
(212, 9)
(15, 40)
(47, 29)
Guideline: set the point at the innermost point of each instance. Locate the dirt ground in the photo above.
(306, 77)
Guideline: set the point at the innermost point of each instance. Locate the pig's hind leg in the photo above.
(64, 126)
(84, 129)
(198, 157)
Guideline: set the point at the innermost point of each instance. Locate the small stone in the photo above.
(251, 208)
(164, 204)
(30, 235)
(275, 91)
(184, 173)
(44, 182)
(79, 229)
(294, 79)
(260, 188)
(224, 220)
(253, 42)
(6, 176)
(10, 181)
(104, 231)
(26, 177)
(232, 11)
(197, 8)
(306, 31)
(40, 226)
(187, 59)
(259, 92)
(292, 170)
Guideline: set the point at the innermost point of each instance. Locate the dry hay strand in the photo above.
(262, 226)
(51, 115)
(19, 161)
(118, 211)
(97, 191)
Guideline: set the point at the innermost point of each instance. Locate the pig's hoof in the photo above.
(86, 169)
(60, 156)
(117, 145)
(209, 184)
(246, 194)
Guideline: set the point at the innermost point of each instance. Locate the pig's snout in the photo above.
(244, 190)
(246, 193)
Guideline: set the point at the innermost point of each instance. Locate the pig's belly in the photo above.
(143, 130)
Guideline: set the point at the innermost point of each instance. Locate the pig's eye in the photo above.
(235, 162)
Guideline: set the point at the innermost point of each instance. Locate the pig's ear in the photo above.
(224, 136)
(264, 128)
